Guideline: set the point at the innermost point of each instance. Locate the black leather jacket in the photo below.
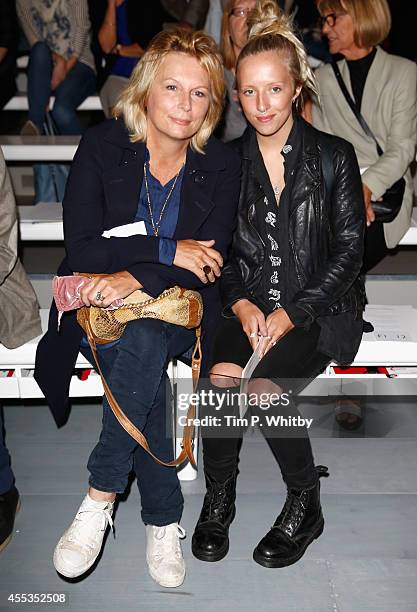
(321, 234)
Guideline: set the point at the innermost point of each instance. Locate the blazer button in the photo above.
(199, 178)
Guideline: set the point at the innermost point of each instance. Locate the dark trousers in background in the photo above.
(6, 474)
(135, 369)
(292, 363)
(79, 83)
(375, 246)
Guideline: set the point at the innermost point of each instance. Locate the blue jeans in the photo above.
(135, 369)
(6, 474)
(79, 83)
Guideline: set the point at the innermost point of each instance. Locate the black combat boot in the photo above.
(211, 535)
(300, 522)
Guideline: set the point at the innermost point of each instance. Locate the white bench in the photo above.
(17, 367)
(20, 103)
(373, 351)
(44, 222)
(17, 381)
(39, 148)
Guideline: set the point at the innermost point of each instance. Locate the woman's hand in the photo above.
(252, 320)
(193, 255)
(278, 323)
(369, 209)
(111, 287)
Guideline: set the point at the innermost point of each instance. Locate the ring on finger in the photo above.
(253, 334)
(100, 297)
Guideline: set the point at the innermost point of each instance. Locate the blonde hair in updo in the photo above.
(271, 30)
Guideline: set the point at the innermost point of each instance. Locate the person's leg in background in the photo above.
(79, 83)
(348, 412)
(9, 496)
(39, 75)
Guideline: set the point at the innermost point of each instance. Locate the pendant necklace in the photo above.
(155, 226)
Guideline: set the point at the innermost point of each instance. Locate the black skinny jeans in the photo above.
(292, 363)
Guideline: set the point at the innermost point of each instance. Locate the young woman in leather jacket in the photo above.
(291, 282)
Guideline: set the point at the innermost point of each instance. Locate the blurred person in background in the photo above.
(60, 62)
(126, 30)
(234, 34)
(383, 87)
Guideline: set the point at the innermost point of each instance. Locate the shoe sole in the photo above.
(168, 584)
(219, 555)
(73, 574)
(78, 573)
(211, 558)
(289, 560)
(8, 539)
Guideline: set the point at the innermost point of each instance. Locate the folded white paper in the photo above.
(249, 370)
(124, 231)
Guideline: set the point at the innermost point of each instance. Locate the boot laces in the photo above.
(295, 506)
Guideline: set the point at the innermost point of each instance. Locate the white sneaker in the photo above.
(80, 545)
(164, 555)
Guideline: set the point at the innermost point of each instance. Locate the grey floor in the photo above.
(365, 560)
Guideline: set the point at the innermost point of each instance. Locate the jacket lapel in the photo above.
(200, 177)
(123, 180)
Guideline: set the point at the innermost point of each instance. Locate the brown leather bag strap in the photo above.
(187, 443)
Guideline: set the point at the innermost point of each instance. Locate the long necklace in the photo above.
(155, 226)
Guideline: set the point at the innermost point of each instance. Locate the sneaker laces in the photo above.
(84, 522)
(167, 540)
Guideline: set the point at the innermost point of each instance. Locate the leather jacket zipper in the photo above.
(296, 261)
(250, 208)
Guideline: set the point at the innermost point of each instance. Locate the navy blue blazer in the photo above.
(103, 192)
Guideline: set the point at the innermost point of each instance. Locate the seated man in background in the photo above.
(19, 323)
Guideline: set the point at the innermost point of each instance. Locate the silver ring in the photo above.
(253, 334)
(99, 297)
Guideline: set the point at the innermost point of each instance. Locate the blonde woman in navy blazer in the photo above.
(162, 130)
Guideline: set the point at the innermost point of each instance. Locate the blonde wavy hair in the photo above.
(271, 30)
(371, 20)
(132, 101)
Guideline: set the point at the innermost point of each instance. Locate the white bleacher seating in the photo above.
(39, 148)
(17, 381)
(20, 103)
(44, 222)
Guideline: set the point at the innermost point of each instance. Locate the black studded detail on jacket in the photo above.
(321, 238)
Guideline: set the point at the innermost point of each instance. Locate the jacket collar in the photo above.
(200, 177)
(301, 139)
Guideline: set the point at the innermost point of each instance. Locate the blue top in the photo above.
(123, 66)
(158, 194)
